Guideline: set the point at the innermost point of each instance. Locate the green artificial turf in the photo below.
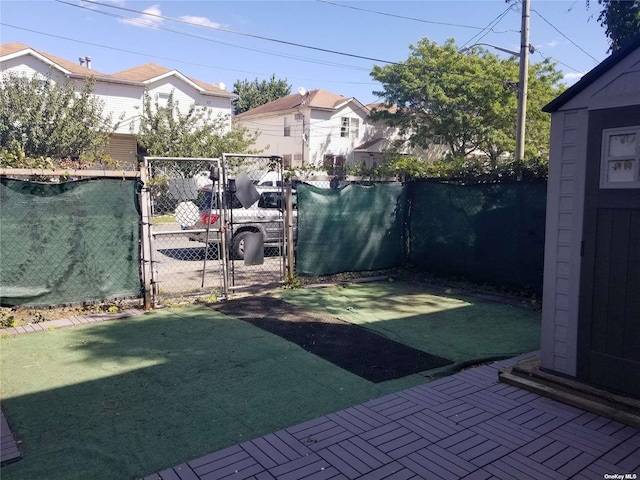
(123, 399)
(462, 328)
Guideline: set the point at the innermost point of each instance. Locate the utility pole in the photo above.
(523, 80)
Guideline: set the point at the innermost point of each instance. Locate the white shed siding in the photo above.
(563, 241)
(565, 208)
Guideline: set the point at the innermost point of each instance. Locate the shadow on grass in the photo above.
(125, 398)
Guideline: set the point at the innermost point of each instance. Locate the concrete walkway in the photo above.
(464, 426)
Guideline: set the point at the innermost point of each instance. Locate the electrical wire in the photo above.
(389, 62)
(560, 32)
(208, 39)
(479, 36)
(404, 17)
(235, 32)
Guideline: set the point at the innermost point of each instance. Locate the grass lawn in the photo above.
(122, 399)
(462, 328)
(125, 398)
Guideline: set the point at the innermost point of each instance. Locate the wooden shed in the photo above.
(591, 297)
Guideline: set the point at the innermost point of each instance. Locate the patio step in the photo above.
(529, 376)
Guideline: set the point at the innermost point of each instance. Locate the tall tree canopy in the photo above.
(621, 19)
(468, 99)
(43, 118)
(252, 94)
(165, 131)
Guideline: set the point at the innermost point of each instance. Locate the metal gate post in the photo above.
(145, 238)
(290, 272)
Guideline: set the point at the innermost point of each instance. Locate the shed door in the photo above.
(609, 316)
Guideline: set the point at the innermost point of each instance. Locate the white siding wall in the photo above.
(120, 101)
(324, 134)
(272, 139)
(29, 65)
(565, 198)
(565, 208)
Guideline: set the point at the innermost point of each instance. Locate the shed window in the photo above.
(620, 162)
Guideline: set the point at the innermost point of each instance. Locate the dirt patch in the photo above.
(17, 316)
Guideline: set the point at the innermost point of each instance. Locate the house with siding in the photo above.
(310, 128)
(591, 297)
(122, 93)
(320, 128)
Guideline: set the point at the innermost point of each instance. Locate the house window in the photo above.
(334, 164)
(349, 127)
(287, 127)
(286, 160)
(163, 100)
(620, 160)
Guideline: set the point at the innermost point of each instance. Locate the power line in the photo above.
(186, 62)
(389, 62)
(201, 37)
(488, 28)
(558, 61)
(403, 17)
(572, 42)
(244, 34)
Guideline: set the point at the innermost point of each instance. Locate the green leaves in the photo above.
(164, 131)
(466, 98)
(253, 94)
(44, 118)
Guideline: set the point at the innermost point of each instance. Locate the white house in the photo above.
(320, 128)
(310, 128)
(122, 92)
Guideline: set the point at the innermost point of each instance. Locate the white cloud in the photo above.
(148, 19)
(202, 21)
(573, 76)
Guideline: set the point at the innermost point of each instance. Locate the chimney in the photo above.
(81, 61)
(88, 59)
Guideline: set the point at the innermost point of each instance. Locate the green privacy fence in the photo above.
(487, 232)
(353, 228)
(68, 242)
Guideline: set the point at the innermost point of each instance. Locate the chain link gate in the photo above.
(214, 225)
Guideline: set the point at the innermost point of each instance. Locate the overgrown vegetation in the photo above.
(165, 131)
(45, 122)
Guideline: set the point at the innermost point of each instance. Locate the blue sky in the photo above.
(116, 40)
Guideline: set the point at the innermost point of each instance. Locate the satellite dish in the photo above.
(302, 91)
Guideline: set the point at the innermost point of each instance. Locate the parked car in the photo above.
(265, 215)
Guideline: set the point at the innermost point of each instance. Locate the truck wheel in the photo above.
(238, 245)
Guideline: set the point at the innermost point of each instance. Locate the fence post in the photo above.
(289, 219)
(145, 250)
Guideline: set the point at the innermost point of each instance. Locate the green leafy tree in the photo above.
(252, 94)
(42, 118)
(466, 98)
(164, 131)
(621, 20)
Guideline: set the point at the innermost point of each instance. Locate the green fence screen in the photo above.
(69, 242)
(488, 233)
(355, 228)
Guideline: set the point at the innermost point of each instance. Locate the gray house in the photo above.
(591, 298)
